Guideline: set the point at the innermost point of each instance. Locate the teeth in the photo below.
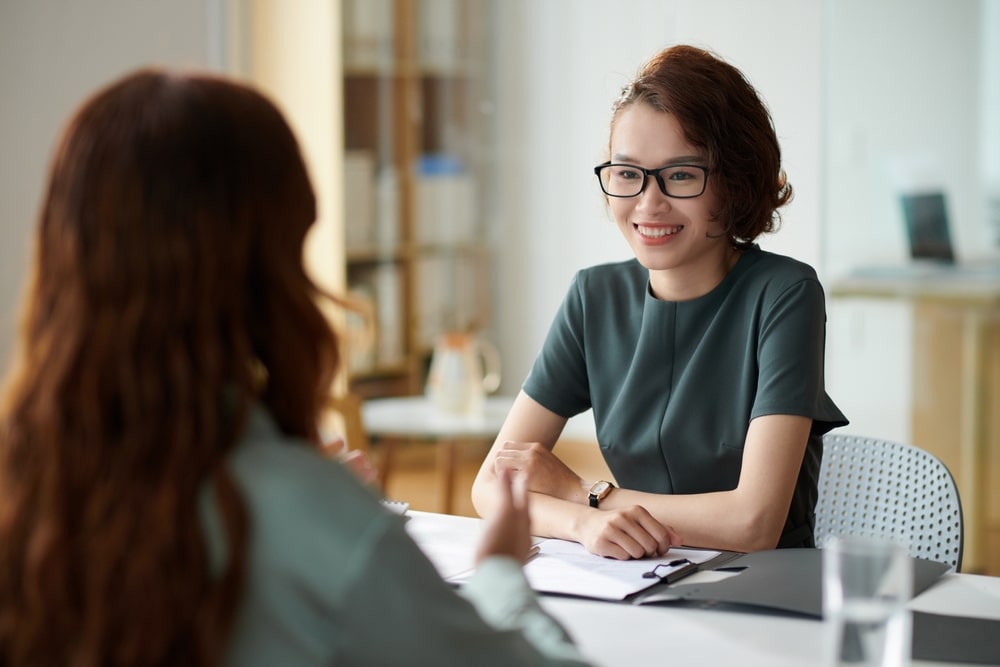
(657, 232)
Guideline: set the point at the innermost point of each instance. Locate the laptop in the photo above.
(932, 252)
(927, 228)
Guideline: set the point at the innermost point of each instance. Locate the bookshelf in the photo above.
(415, 136)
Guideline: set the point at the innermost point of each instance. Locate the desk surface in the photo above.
(611, 633)
(415, 417)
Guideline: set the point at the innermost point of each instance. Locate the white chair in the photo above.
(878, 488)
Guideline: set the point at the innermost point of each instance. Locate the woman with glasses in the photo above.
(701, 358)
(163, 496)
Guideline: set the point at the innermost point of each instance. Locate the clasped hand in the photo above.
(542, 470)
(622, 533)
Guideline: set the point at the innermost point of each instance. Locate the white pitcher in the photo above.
(463, 370)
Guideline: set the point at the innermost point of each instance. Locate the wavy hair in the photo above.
(168, 295)
(721, 114)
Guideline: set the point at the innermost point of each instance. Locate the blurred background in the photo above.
(451, 143)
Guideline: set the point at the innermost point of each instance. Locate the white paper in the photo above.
(568, 568)
(448, 541)
(559, 567)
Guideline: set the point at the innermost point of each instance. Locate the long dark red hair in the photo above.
(168, 296)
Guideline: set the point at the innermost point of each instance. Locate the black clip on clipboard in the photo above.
(679, 571)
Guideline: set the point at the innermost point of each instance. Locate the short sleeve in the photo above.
(558, 379)
(791, 357)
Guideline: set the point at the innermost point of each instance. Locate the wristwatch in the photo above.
(599, 491)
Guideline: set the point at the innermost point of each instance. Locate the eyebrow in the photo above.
(680, 159)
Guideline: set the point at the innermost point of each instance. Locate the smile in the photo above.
(656, 232)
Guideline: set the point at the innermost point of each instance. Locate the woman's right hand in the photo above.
(626, 533)
(507, 530)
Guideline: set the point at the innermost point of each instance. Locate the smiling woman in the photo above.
(702, 358)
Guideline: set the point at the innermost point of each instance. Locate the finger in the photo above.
(649, 545)
(613, 548)
(504, 476)
(359, 464)
(623, 545)
(516, 446)
(665, 535)
(335, 445)
(635, 544)
(657, 538)
(509, 463)
(654, 537)
(519, 492)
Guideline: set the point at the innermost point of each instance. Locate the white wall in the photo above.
(52, 54)
(989, 125)
(905, 87)
(561, 64)
(904, 110)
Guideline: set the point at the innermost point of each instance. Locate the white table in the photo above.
(611, 633)
(414, 418)
(621, 634)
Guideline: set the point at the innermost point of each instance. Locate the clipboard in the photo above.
(562, 567)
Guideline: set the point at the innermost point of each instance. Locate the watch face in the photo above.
(599, 489)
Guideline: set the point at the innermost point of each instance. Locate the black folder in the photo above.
(779, 580)
(790, 582)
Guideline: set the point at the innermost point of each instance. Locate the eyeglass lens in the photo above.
(625, 180)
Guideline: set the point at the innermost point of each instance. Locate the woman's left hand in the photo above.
(355, 460)
(542, 470)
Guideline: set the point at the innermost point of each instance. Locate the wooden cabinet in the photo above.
(956, 411)
(416, 107)
(955, 404)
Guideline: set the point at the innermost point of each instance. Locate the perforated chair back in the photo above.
(878, 488)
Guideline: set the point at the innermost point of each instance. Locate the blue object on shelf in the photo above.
(439, 164)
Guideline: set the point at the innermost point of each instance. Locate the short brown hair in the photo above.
(721, 113)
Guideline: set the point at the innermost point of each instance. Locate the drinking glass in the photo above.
(867, 583)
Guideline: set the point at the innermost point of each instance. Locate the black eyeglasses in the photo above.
(680, 181)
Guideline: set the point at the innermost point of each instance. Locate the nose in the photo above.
(653, 195)
(658, 178)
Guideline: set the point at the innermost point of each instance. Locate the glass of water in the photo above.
(867, 583)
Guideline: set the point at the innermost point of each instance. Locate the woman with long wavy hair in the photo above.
(162, 497)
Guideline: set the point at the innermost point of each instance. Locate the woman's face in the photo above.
(665, 233)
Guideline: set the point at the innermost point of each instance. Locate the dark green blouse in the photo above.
(674, 385)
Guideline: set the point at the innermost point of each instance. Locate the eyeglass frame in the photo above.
(655, 173)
